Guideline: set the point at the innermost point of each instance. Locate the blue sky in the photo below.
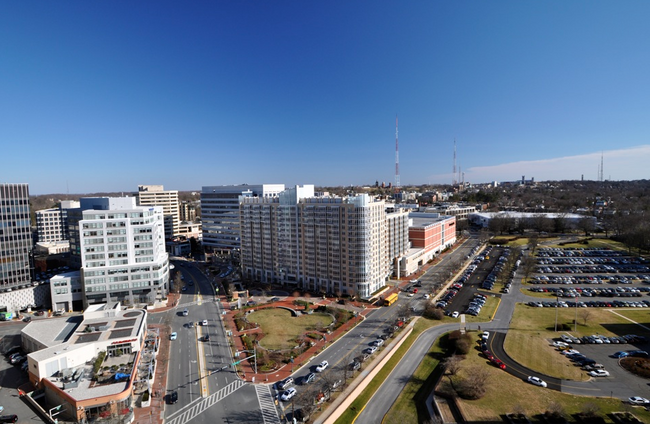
(103, 96)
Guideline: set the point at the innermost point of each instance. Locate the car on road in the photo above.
(173, 336)
(282, 385)
(638, 400)
(536, 381)
(309, 378)
(8, 418)
(172, 397)
(322, 366)
(185, 312)
(206, 338)
(288, 394)
(370, 350)
(204, 322)
(599, 373)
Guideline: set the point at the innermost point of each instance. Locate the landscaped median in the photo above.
(349, 405)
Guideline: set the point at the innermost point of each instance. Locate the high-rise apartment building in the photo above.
(320, 244)
(156, 195)
(187, 212)
(121, 250)
(15, 236)
(52, 224)
(220, 212)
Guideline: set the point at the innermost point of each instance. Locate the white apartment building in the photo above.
(156, 195)
(121, 250)
(220, 212)
(320, 244)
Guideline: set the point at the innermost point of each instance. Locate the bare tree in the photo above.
(451, 364)
(585, 314)
(475, 385)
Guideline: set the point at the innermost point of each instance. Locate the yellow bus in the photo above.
(390, 299)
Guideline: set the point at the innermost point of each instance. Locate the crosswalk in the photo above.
(267, 404)
(192, 410)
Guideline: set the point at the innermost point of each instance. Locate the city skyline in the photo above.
(103, 97)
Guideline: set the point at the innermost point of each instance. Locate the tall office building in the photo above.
(156, 195)
(121, 250)
(52, 224)
(15, 236)
(220, 212)
(320, 244)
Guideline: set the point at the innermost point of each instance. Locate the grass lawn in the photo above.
(507, 393)
(405, 408)
(280, 328)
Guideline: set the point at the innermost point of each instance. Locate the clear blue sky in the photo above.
(105, 95)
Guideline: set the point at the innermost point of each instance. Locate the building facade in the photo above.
(429, 234)
(15, 237)
(52, 224)
(220, 212)
(121, 251)
(156, 195)
(321, 244)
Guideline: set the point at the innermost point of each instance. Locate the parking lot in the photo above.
(591, 278)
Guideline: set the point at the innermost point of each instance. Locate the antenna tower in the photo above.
(453, 178)
(600, 175)
(397, 184)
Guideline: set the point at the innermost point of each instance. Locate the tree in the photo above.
(475, 384)
(585, 314)
(528, 265)
(587, 224)
(451, 364)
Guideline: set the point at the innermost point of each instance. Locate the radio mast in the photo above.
(397, 184)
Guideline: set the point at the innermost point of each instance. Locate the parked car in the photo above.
(599, 373)
(485, 335)
(322, 366)
(288, 394)
(455, 314)
(282, 385)
(536, 381)
(355, 365)
(8, 418)
(370, 350)
(619, 354)
(309, 378)
(638, 400)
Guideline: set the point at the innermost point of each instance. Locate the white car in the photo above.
(288, 394)
(378, 342)
(536, 381)
(599, 373)
(321, 367)
(455, 314)
(204, 322)
(569, 352)
(638, 400)
(370, 350)
(172, 336)
(485, 335)
(560, 344)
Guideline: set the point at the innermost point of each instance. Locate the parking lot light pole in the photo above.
(557, 300)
